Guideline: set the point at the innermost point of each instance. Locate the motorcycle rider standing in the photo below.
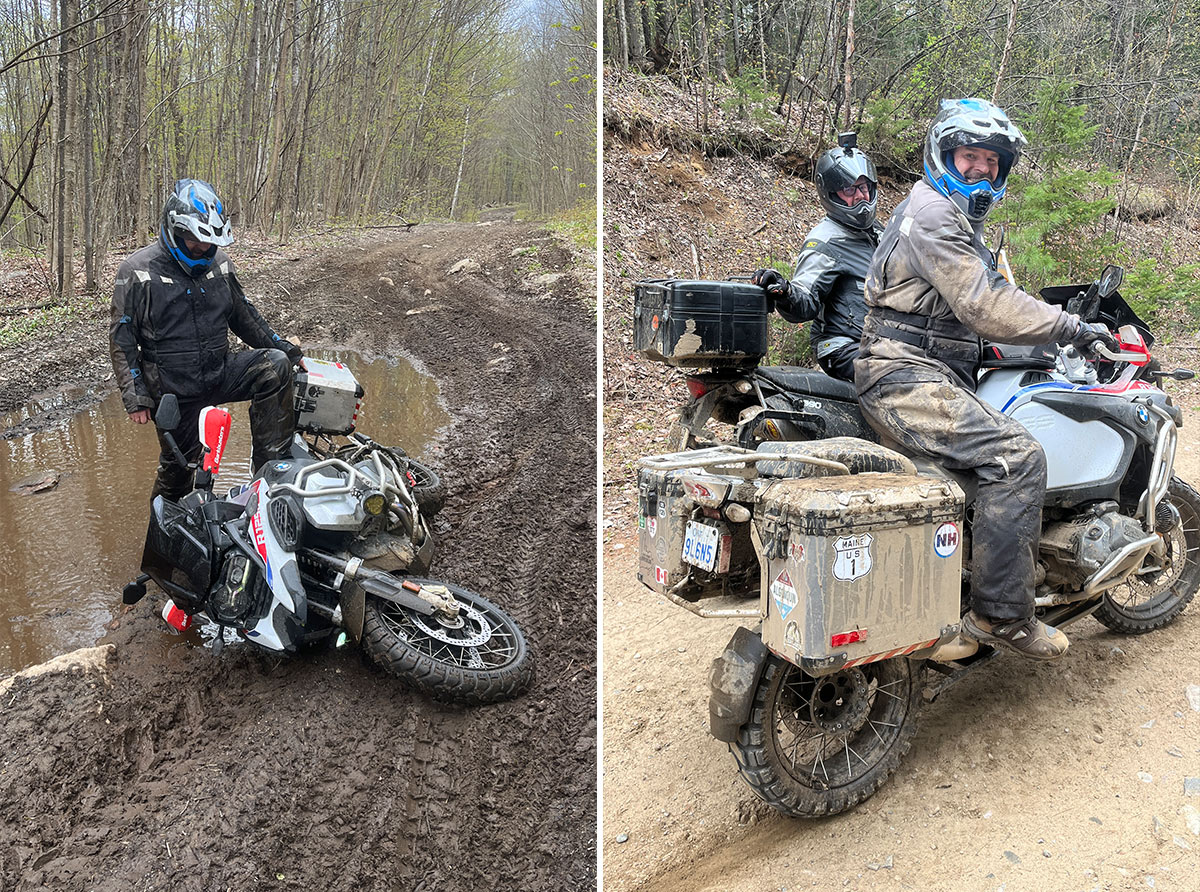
(828, 282)
(174, 303)
(932, 292)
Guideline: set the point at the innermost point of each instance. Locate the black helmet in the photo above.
(840, 168)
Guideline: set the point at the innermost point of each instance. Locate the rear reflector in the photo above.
(697, 387)
(848, 638)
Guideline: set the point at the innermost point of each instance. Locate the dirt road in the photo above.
(1023, 777)
(151, 768)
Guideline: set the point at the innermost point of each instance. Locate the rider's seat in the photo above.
(795, 379)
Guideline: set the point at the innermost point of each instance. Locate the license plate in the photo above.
(700, 545)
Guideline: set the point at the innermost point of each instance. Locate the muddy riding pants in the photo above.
(944, 421)
(840, 363)
(262, 376)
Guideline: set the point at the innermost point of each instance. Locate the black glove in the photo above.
(1092, 333)
(293, 351)
(777, 287)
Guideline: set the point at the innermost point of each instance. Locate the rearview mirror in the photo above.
(1111, 279)
(167, 416)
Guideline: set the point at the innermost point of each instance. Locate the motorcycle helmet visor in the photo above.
(862, 190)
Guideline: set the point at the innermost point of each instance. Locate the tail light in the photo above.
(697, 386)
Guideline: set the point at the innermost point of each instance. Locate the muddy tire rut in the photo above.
(164, 767)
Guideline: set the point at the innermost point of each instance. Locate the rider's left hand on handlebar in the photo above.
(1093, 334)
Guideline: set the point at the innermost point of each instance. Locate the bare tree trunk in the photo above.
(1008, 42)
(622, 35)
(462, 157)
(849, 58)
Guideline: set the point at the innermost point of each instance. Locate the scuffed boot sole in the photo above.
(970, 627)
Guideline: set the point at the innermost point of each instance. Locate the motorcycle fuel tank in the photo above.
(858, 568)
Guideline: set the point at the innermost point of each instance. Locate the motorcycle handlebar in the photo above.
(1118, 355)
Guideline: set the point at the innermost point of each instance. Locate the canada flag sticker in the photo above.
(946, 539)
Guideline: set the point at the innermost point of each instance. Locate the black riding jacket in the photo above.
(169, 332)
(828, 284)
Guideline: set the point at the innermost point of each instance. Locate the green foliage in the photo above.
(42, 324)
(749, 99)
(577, 223)
(1148, 289)
(894, 139)
(1054, 221)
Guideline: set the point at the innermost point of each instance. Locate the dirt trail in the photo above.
(1023, 777)
(154, 768)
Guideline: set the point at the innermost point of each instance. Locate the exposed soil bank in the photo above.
(152, 768)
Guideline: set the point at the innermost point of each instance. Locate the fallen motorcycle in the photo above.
(331, 543)
(855, 559)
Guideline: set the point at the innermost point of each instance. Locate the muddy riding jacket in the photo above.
(828, 284)
(169, 333)
(931, 293)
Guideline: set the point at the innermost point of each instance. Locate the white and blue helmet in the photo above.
(193, 209)
(971, 122)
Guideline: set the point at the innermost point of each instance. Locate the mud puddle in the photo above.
(68, 549)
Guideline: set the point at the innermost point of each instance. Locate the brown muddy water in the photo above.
(66, 552)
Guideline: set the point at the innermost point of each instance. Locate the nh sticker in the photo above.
(945, 540)
(784, 593)
(852, 558)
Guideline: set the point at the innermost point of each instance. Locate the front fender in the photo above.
(734, 677)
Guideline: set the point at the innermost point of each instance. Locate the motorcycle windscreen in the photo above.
(214, 434)
(1114, 311)
(178, 552)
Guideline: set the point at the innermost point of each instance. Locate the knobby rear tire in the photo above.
(880, 718)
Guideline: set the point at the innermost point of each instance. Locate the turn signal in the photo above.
(737, 513)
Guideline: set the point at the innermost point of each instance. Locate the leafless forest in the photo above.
(299, 111)
(822, 64)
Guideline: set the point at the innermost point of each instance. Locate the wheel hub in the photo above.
(839, 702)
(456, 630)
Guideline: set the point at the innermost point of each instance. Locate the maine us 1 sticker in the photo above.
(784, 593)
(852, 557)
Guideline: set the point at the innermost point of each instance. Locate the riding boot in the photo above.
(272, 408)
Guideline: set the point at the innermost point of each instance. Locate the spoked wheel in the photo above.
(818, 746)
(1154, 597)
(426, 486)
(478, 656)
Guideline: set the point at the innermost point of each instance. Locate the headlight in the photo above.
(233, 596)
(374, 503)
